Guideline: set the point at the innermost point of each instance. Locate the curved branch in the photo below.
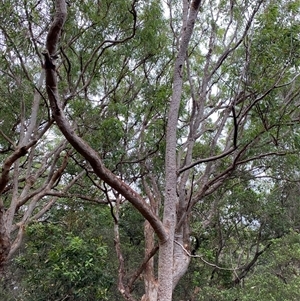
(18, 153)
(79, 144)
(213, 158)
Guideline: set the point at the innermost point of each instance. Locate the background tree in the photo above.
(35, 158)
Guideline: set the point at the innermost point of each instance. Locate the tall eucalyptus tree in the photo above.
(218, 116)
(168, 104)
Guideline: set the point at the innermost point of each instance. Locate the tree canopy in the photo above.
(177, 121)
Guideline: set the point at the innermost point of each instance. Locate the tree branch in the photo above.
(213, 158)
(79, 144)
(141, 268)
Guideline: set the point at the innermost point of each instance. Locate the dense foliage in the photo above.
(69, 232)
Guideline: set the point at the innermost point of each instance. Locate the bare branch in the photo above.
(8, 139)
(205, 261)
(214, 158)
(18, 153)
(141, 268)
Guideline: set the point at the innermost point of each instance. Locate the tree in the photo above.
(34, 173)
(32, 161)
(190, 101)
(37, 164)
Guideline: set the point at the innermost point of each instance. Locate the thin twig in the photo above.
(8, 139)
(205, 261)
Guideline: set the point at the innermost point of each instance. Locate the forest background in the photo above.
(149, 150)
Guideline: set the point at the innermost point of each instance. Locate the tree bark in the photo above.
(4, 239)
(167, 268)
(149, 275)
